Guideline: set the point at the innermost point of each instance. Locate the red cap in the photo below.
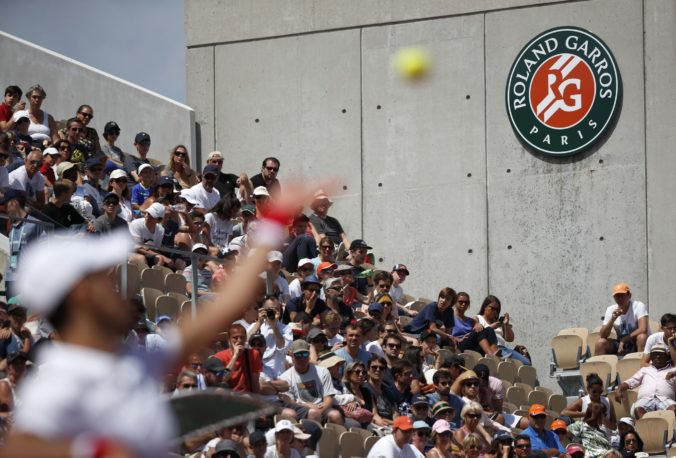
(325, 265)
(537, 409)
(402, 422)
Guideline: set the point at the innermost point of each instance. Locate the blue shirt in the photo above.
(362, 355)
(430, 314)
(548, 441)
(139, 194)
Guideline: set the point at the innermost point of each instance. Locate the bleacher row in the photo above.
(162, 291)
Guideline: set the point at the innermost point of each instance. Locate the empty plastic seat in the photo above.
(654, 432)
(328, 443)
(516, 395)
(612, 362)
(351, 444)
(167, 305)
(507, 371)
(165, 270)
(175, 283)
(627, 367)
(538, 397)
(149, 296)
(567, 351)
(668, 416)
(368, 444)
(491, 364)
(527, 374)
(152, 278)
(601, 368)
(546, 390)
(583, 333)
(557, 402)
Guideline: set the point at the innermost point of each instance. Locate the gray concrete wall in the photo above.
(435, 176)
(70, 84)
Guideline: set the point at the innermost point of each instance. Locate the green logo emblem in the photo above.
(563, 91)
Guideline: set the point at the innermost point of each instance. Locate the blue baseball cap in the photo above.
(376, 307)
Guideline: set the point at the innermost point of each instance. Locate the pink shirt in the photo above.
(653, 382)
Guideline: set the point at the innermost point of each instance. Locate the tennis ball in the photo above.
(412, 63)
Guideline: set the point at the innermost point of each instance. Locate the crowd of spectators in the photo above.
(330, 338)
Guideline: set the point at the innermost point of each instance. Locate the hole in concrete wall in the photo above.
(600, 161)
(378, 107)
(257, 120)
(380, 259)
(380, 185)
(344, 110)
(470, 251)
(469, 175)
(601, 238)
(509, 170)
(509, 247)
(467, 97)
(345, 188)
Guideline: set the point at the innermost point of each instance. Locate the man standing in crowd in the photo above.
(629, 319)
(268, 176)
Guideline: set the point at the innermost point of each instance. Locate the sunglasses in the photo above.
(63, 148)
(326, 247)
(179, 154)
(397, 346)
(463, 302)
(422, 433)
(474, 415)
(631, 441)
(377, 368)
(216, 161)
(120, 180)
(86, 115)
(522, 446)
(110, 204)
(76, 129)
(272, 169)
(188, 385)
(35, 162)
(302, 355)
(472, 384)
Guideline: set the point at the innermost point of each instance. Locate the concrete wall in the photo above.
(70, 84)
(435, 176)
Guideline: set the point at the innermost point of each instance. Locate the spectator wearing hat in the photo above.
(243, 363)
(111, 132)
(629, 319)
(310, 386)
(441, 438)
(358, 251)
(435, 316)
(16, 368)
(299, 245)
(284, 436)
(229, 183)
(50, 156)
(205, 193)
(24, 230)
(277, 335)
(420, 409)
(323, 224)
(319, 344)
(132, 163)
(501, 446)
(442, 392)
(542, 439)
(29, 180)
(178, 168)
(306, 270)
(144, 188)
(595, 388)
(226, 448)
(256, 445)
(560, 428)
(335, 365)
(162, 192)
(10, 104)
(325, 270)
(666, 336)
(247, 214)
(23, 139)
(93, 192)
(348, 293)
(119, 185)
(656, 384)
(467, 385)
(268, 176)
(352, 350)
(147, 233)
(214, 371)
(588, 431)
(59, 210)
(421, 436)
(309, 303)
(399, 274)
(398, 443)
(204, 272)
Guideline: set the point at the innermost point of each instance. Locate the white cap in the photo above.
(300, 435)
(156, 210)
(261, 191)
(200, 246)
(303, 262)
(214, 155)
(20, 114)
(142, 167)
(118, 173)
(627, 420)
(283, 425)
(187, 195)
(50, 151)
(75, 256)
(236, 244)
(275, 256)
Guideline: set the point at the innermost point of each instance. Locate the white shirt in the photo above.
(335, 340)
(18, 179)
(625, 324)
(207, 200)
(274, 357)
(295, 289)
(220, 229)
(271, 452)
(658, 337)
(79, 391)
(310, 387)
(397, 294)
(141, 235)
(387, 448)
(498, 331)
(375, 348)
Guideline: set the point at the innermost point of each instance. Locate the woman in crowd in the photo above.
(501, 447)
(578, 408)
(441, 438)
(118, 184)
(630, 444)
(413, 353)
(219, 220)
(384, 410)
(468, 334)
(354, 378)
(42, 125)
(90, 137)
(589, 433)
(489, 317)
(471, 415)
(164, 189)
(111, 132)
(179, 168)
(472, 446)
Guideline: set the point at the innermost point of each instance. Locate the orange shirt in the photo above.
(246, 367)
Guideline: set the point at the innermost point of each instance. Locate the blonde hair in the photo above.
(472, 439)
(471, 407)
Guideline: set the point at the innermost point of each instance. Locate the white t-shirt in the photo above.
(627, 323)
(387, 448)
(18, 179)
(397, 294)
(295, 289)
(335, 340)
(221, 229)
(79, 391)
(271, 452)
(141, 235)
(207, 200)
(274, 358)
(310, 387)
(658, 337)
(498, 331)
(375, 348)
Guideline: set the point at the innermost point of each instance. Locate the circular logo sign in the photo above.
(563, 91)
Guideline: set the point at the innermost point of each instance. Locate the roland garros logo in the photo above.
(563, 91)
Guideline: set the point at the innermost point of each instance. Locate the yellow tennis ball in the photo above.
(412, 63)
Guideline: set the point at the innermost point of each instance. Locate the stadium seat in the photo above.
(470, 359)
(671, 451)
(583, 333)
(180, 298)
(507, 371)
(364, 433)
(408, 298)
(668, 416)
(654, 432)
(175, 283)
(635, 355)
(418, 306)
(152, 278)
(546, 390)
(557, 402)
(627, 367)
(591, 342)
(566, 351)
(351, 444)
(509, 407)
(337, 428)
(133, 279)
(491, 364)
(368, 444)
(601, 368)
(425, 300)
(150, 296)
(165, 270)
(538, 397)
(525, 387)
(527, 374)
(328, 443)
(167, 305)
(612, 362)
(186, 306)
(516, 395)
(506, 384)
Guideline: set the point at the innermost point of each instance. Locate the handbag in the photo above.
(355, 411)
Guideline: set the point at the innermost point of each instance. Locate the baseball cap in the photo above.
(200, 246)
(621, 288)
(659, 347)
(257, 336)
(142, 137)
(12, 194)
(51, 151)
(627, 421)
(142, 167)
(248, 209)
(283, 425)
(156, 210)
(210, 169)
(325, 265)
(311, 280)
(420, 399)
(256, 437)
(93, 162)
(314, 333)
(304, 262)
(558, 424)
(502, 435)
(537, 409)
(63, 167)
(275, 256)
(213, 364)
(376, 307)
(74, 257)
(419, 424)
(20, 115)
(402, 422)
(111, 126)
(214, 155)
(261, 191)
(574, 448)
(330, 359)
(299, 346)
(299, 434)
(112, 196)
(441, 426)
(226, 445)
(359, 243)
(439, 407)
(115, 174)
(163, 318)
(164, 181)
(402, 267)
(188, 197)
